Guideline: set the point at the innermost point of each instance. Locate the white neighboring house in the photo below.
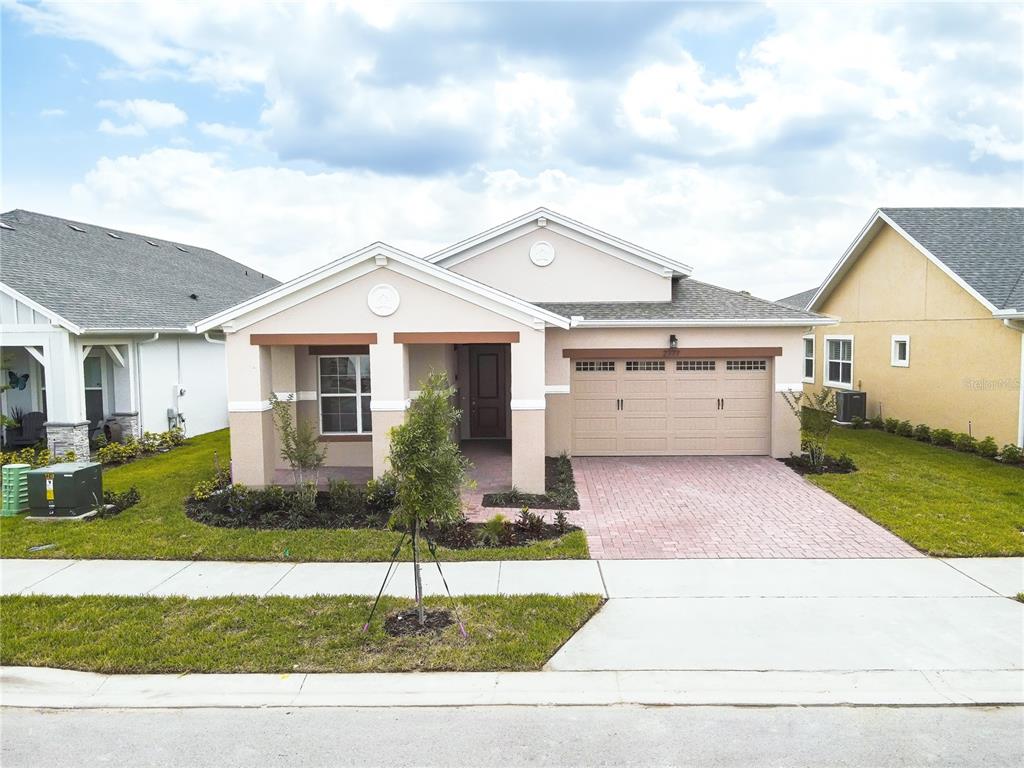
(94, 329)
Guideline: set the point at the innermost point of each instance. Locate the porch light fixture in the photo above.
(673, 342)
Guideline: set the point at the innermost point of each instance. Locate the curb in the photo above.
(46, 688)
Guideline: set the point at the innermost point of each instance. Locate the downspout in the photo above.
(138, 375)
(1018, 325)
(213, 340)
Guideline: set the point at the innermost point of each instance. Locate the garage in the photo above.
(671, 407)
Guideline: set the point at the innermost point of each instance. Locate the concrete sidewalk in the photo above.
(829, 578)
(63, 689)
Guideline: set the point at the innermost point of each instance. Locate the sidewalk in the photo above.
(830, 578)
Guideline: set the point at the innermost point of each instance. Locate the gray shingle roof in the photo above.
(798, 300)
(984, 246)
(132, 281)
(692, 300)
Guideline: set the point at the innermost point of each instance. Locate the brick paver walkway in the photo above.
(709, 506)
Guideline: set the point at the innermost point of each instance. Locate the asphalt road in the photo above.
(512, 736)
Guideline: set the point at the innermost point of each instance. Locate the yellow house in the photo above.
(930, 303)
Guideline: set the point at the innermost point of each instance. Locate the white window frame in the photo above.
(357, 395)
(825, 374)
(813, 358)
(893, 359)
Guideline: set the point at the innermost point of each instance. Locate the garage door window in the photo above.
(595, 366)
(839, 362)
(746, 365)
(695, 365)
(645, 365)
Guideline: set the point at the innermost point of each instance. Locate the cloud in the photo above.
(142, 115)
(53, 112)
(232, 134)
(737, 228)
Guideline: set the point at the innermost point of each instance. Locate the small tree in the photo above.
(429, 469)
(817, 413)
(299, 446)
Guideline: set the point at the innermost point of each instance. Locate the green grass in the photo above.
(158, 529)
(279, 634)
(942, 502)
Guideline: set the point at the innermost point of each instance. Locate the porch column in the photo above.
(124, 409)
(389, 388)
(253, 454)
(66, 427)
(528, 412)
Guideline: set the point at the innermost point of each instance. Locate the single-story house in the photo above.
(930, 304)
(557, 337)
(95, 330)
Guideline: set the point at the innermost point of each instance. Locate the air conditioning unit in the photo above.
(851, 403)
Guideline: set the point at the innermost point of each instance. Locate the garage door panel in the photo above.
(690, 407)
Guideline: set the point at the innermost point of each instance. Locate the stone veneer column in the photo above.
(64, 437)
(129, 422)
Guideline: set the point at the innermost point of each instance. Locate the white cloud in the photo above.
(142, 115)
(232, 134)
(735, 227)
(53, 112)
(128, 129)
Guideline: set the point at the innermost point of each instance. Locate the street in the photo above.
(535, 736)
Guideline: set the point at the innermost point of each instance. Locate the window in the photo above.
(901, 351)
(695, 365)
(809, 359)
(595, 366)
(746, 365)
(345, 395)
(645, 365)
(839, 361)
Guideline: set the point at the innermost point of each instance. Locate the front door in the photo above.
(488, 390)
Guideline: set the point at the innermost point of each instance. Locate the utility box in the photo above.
(851, 403)
(65, 490)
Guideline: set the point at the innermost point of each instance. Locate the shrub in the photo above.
(987, 448)
(964, 442)
(119, 453)
(101, 440)
(891, 425)
(562, 520)
(856, 422)
(382, 494)
(923, 433)
(495, 531)
(817, 413)
(1011, 454)
(905, 429)
(299, 444)
(342, 495)
(150, 442)
(302, 503)
(877, 422)
(942, 437)
(35, 457)
(172, 438)
(530, 523)
(845, 463)
(116, 503)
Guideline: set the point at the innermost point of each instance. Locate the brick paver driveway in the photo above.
(710, 506)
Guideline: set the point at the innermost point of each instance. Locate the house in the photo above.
(930, 303)
(558, 337)
(94, 329)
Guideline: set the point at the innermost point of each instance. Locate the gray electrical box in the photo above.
(65, 490)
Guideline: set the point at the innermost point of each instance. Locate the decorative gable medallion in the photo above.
(542, 253)
(383, 299)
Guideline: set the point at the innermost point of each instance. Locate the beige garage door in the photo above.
(670, 407)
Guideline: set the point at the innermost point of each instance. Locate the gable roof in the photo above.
(981, 249)
(545, 217)
(96, 278)
(798, 300)
(693, 303)
(319, 280)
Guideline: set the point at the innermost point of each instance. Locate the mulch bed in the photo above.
(557, 497)
(802, 466)
(407, 623)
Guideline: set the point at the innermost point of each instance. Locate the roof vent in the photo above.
(77, 229)
(181, 249)
(193, 297)
(116, 237)
(155, 245)
(5, 225)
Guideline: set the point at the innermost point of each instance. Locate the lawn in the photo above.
(280, 634)
(942, 502)
(158, 529)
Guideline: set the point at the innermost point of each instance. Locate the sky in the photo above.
(751, 141)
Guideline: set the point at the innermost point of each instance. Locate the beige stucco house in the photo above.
(558, 337)
(930, 303)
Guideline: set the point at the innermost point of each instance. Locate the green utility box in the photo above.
(65, 490)
(15, 489)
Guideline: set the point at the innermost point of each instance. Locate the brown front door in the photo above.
(488, 390)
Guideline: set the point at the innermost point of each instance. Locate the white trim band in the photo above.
(789, 387)
(556, 389)
(527, 405)
(388, 405)
(296, 396)
(248, 406)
